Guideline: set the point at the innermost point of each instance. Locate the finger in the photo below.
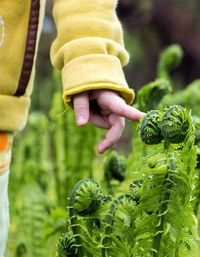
(129, 112)
(119, 107)
(99, 120)
(114, 133)
(111, 101)
(81, 108)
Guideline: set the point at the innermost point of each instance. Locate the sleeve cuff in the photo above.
(95, 71)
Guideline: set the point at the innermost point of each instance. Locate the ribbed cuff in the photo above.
(13, 112)
(95, 72)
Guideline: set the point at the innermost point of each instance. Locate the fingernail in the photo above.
(81, 120)
(141, 115)
(100, 150)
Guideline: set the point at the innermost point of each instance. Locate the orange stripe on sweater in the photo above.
(4, 142)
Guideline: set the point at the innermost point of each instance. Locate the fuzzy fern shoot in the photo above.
(150, 128)
(175, 124)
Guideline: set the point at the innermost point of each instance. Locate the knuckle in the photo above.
(122, 123)
(80, 108)
(110, 141)
(110, 105)
(123, 111)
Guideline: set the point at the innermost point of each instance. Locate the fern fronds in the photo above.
(169, 59)
(173, 205)
(33, 217)
(66, 247)
(150, 128)
(115, 167)
(150, 95)
(175, 124)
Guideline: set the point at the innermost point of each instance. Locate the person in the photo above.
(88, 49)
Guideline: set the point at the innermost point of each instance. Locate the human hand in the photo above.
(105, 109)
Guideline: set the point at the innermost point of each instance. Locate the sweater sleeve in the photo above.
(89, 47)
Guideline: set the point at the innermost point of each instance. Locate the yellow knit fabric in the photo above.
(88, 49)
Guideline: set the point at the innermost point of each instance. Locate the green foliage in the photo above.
(143, 222)
(32, 220)
(151, 94)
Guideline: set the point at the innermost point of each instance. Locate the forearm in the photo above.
(89, 47)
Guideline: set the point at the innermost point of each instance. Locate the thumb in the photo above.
(81, 108)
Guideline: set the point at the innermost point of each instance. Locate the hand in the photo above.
(105, 109)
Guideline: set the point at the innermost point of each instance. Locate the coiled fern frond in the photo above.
(172, 125)
(175, 124)
(151, 94)
(85, 203)
(150, 128)
(86, 197)
(66, 247)
(170, 59)
(115, 167)
(135, 190)
(189, 98)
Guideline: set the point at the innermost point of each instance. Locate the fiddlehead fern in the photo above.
(151, 94)
(170, 59)
(65, 246)
(150, 128)
(175, 124)
(135, 190)
(86, 197)
(189, 98)
(115, 167)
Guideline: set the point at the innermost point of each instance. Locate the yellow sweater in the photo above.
(88, 49)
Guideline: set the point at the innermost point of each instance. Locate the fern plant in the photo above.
(115, 166)
(33, 216)
(155, 217)
(84, 233)
(169, 60)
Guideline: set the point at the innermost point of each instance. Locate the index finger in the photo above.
(118, 106)
(128, 112)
